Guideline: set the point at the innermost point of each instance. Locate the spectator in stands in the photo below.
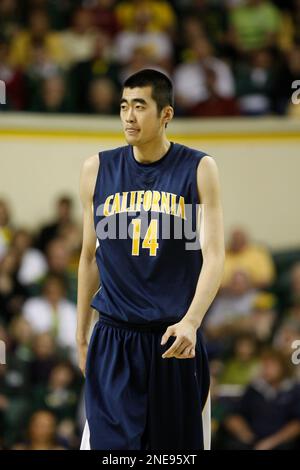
(162, 15)
(296, 21)
(204, 86)
(291, 290)
(290, 25)
(33, 265)
(12, 293)
(101, 65)
(9, 18)
(212, 16)
(6, 228)
(63, 216)
(286, 335)
(59, 12)
(104, 17)
(192, 30)
(239, 309)
(140, 59)
(45, 356)
(52, 312)
(78, 41)
(242, 366)
(263, 317)
(13, 78)
(229, 307)
(58, 256)
(39, 68)
(59, 261)
(268, 414)
(14, 380)
(41, 434)
(103, 97)
(71, 234)
(20, 343)
(157, 43)
(38, 31)
(294, 311)
(254, 24)
(60, 394)
(249, 257)
(255, 84)
(53, 97)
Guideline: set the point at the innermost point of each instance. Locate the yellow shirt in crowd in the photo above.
(254, 260)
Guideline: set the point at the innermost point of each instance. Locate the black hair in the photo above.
(65, 199)
(58, 278)
(162, 87)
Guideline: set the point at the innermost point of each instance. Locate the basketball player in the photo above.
(146, 370)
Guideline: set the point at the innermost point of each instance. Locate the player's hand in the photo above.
(184, 345)
(82, 349)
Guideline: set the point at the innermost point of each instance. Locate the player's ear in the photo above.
(168, 113)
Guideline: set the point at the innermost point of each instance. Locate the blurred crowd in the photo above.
(226, 57)
(250, 330)
(41, 404)
(253, 340)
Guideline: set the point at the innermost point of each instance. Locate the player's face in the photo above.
(140, 119)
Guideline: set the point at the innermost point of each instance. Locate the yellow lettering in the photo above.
(181, 208)
(173, 204)
(155, 201)
(116, 204)
(135, 250)
(158, 201)
(124, 202)
(106, 212)
(165, 202)
(131, 207)
(150, 240)
(139, 200)
(147, 200)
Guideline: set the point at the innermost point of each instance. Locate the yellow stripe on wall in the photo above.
(86, 135)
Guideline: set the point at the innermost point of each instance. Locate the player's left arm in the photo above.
(213, 251)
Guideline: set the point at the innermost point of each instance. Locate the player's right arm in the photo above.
(88, 274)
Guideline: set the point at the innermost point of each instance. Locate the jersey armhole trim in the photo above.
(98, 176)
(199, 160)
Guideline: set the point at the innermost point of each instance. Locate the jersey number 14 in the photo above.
(150, 240)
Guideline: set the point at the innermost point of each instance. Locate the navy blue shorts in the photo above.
(135, 399)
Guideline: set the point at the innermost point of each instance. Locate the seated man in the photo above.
(268, 414)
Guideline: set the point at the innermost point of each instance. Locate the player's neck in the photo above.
(151, 151)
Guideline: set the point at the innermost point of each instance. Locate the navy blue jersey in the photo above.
(148, 255)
